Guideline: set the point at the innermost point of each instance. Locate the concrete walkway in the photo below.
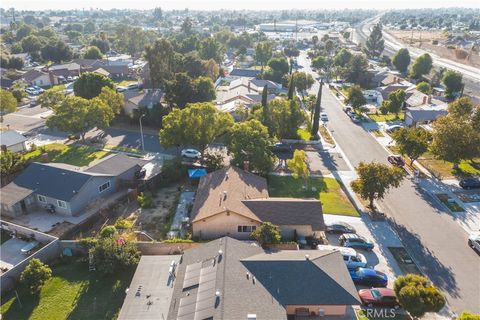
(186, 198)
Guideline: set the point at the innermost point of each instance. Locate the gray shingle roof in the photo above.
(115, 164)
(52, 181)
(11, 137)
(245, 73)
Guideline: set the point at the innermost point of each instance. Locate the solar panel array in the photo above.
(192, 275)
(201, 305)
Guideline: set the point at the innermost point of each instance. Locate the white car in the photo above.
(323, 117)
(133, 86)
(121, 89)
(352, 259)
(474, 241)
(191, 154)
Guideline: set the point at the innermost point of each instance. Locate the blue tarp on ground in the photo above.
(196, 173)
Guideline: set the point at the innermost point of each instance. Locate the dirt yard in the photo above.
(425, 36)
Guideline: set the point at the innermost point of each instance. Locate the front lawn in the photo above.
(75, 155)
(328, 190)
(386, 117)
(444, 170)
(72, 293)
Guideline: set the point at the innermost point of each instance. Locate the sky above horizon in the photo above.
(234, 4)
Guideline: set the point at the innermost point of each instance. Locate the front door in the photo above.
(23, 206)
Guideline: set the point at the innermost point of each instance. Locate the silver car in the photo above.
(474, 241)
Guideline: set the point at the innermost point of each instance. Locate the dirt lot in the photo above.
(424, 36)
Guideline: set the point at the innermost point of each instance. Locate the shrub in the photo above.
(108, 232)
(145, 201)
(88, 243)
(173, 170)
(111, 255)
(267, 233)
(35, 275)
(123, 224)
(177, 240)
(468, 316)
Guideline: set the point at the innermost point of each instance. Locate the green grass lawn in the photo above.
(304, 134)
(329, 191)
(386, 118)
(444, 170)
(72, 293)
(125, 83)
(453, 206)
(75, 155)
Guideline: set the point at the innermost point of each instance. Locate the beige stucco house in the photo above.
(233, 202)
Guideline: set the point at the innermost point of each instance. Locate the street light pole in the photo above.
(141, 131)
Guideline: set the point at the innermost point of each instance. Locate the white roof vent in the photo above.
(251, 316)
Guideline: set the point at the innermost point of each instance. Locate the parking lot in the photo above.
(379, 232)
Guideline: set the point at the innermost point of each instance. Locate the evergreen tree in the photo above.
(316, 117)
(291, 89)
(375, 43)
(264, 97)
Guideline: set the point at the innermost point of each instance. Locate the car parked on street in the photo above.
(393, 128)
(353, 240)
(396, 160)
(470, 183)
(281, 147)
(347, 109)
(31, 91)
(355, 119)
(474, 241)
(351, 257)
(379, 297)
(133, 86)
(40, 90)
(369, 277)
(340, 227)
(121, 89)
(191, 154)
(323, 117)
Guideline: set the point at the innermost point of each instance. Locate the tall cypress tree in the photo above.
(264, 97)
(291, 88)
(316, 116)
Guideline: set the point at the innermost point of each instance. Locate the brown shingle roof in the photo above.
(238, 184)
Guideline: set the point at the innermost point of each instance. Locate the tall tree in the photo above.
(90, 84)
(286, 117)
(342, 58)
(8, 103)
(263, 53)
(424, 87)
(375, 44)
(299, 167)
(421, 66)
(303, 82)
(35, 275)
(197, 125)
(264, 98)
(93, 53)
(375, 179)
(180, 90)
(453, 82)
(395, 101)
(113, 99)
(291, 88)
(161, 62)
(51, 98)
(210, 48)
(401, 60)
(77, 115)
(267, 233)
(10, 162)
(356, 70)
(204, 89)
(412, 142)
(249, 141)
(355, 97)
(417, 295)
(318, 108)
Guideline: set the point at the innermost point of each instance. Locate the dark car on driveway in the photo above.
(353, 240)
(369, 277)
(396, 160)
(281, 147)
(340, 227)
(470, 183)
(378, 297)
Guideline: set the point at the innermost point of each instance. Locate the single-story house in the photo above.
(66, 188)
(236, 280)
(13, 141)
(5, 83)
(147, 98)
(234, 202)
(244, 73)
(71, 69)
(424, 114)
(39, 78)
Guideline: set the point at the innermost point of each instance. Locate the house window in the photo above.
(62, 204)
(246, 228)
(42, 198)
(104, 186)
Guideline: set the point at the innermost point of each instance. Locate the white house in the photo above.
(13, 141)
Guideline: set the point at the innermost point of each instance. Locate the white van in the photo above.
(352, 259)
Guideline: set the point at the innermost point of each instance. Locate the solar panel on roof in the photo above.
(192, 275)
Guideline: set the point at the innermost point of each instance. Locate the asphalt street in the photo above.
(433, 237)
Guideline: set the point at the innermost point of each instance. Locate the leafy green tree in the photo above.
(355, 97)
(93, 53)
(291, 51)
(422, 66)
(35, 275)
(77, 115)
(286, 117)
(412, 142)
(51, 98)
(31, 44)
(204, 89)
(395, 101)
(101, 44)
(453, 82)
(267, 233)
(265, 99)
(161, 62)
(108, 231)
(10, 163)
(375, 179)
(57, 51)
(249, 141)
(375, 44)
(417, 295)
(112, 255)
(278, 69)
(303, 82)
(319, 62)
(263, 53)
(213, 160)
(456, 136)
(89, 27)
(90, 84)
(23, 31)
(8, 103)
(112, 98)
(424, 87)
(342, 58)
(299, 167)
(180, 90)
(18, 89)
(198, 125)
(401, 60)
(210, 48)
(356, 70)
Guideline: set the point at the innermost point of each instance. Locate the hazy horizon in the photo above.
(230, 4)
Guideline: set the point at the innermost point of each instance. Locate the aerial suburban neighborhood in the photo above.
(240, 160)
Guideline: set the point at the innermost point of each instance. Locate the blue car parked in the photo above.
(369, 277)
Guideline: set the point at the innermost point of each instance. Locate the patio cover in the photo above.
(13, 193)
